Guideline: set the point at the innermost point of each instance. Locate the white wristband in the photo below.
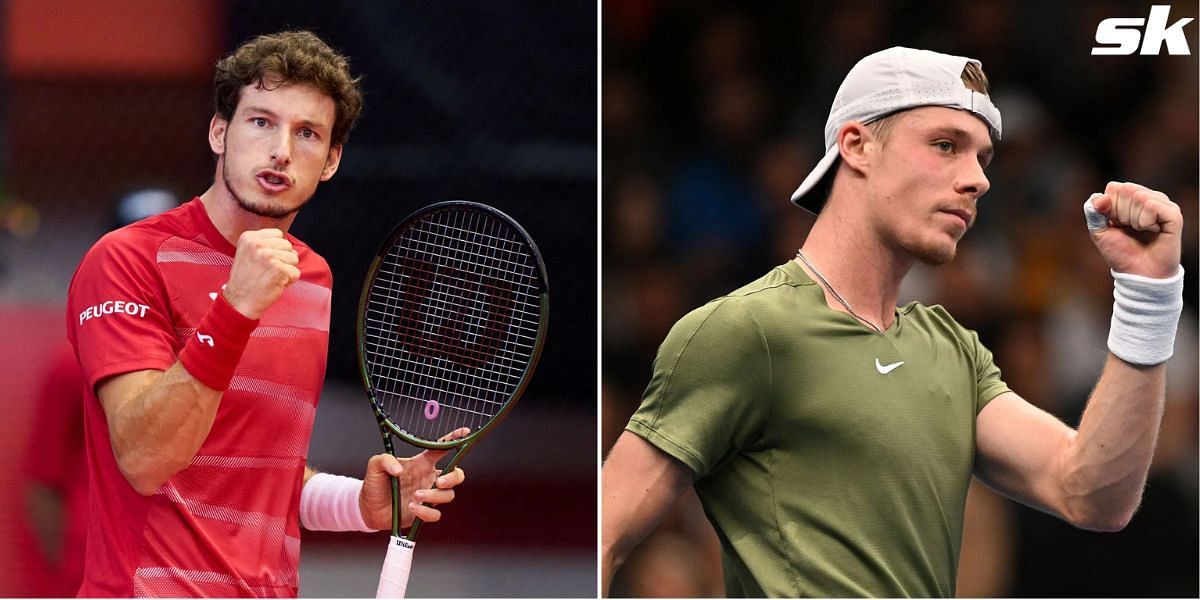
(330, 503)
(1145, 315)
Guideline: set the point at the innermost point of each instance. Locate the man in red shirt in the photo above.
(202, 335)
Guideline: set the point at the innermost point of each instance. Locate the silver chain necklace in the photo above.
(835, 293)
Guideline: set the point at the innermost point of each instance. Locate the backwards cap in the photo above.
(890, 81)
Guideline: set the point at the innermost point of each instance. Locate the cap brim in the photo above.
(804, 196)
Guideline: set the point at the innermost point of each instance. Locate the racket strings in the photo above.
(450, 302)
(451, 322)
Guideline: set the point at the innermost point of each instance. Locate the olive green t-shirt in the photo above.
(831, 459)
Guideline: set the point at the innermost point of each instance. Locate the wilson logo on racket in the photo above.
(451, 322)
(473, 313)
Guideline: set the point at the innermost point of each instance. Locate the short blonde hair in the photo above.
(973, 78)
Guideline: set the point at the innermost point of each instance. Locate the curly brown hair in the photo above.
(290, 57)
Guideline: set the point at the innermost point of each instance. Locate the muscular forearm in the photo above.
(630, 513)
(159, 427)
(1093, 477)
(639, 485)
(1137, 231)
(158, 420)
(1106, 464)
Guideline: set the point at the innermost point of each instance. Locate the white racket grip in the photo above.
(393, 581)
(1096, 220)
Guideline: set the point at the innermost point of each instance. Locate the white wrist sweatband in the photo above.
(1145, 315)
(330, 503)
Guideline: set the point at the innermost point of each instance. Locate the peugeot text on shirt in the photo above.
(113, 307)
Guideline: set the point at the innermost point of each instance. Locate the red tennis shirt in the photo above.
(228, 525)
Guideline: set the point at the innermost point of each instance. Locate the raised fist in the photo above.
(1137, 230)
(263, 266)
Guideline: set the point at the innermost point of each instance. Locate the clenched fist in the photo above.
(1137, 230)
(263, 266)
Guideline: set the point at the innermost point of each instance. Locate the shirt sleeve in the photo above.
(709, 392)
(988, 383)
(118, 315)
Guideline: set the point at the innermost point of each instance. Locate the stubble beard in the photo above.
(933, 253)
(935, 256)
(268, 208)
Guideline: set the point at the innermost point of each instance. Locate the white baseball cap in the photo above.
(887, 82)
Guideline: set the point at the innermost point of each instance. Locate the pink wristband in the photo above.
(213, 352)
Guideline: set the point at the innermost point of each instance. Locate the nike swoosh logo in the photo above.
(885, 369)
(213, 295)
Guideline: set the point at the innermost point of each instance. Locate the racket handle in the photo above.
(393, 581)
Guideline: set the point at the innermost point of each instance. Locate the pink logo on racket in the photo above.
(432, 408)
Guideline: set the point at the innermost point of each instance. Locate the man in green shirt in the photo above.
(830, 434)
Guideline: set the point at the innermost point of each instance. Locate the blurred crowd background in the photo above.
(466, 100)
(713, 112)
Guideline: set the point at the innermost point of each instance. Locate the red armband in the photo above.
(213, 353)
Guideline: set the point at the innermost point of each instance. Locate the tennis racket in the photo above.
(450, 327)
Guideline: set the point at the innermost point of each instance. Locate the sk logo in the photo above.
(1121, 35)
